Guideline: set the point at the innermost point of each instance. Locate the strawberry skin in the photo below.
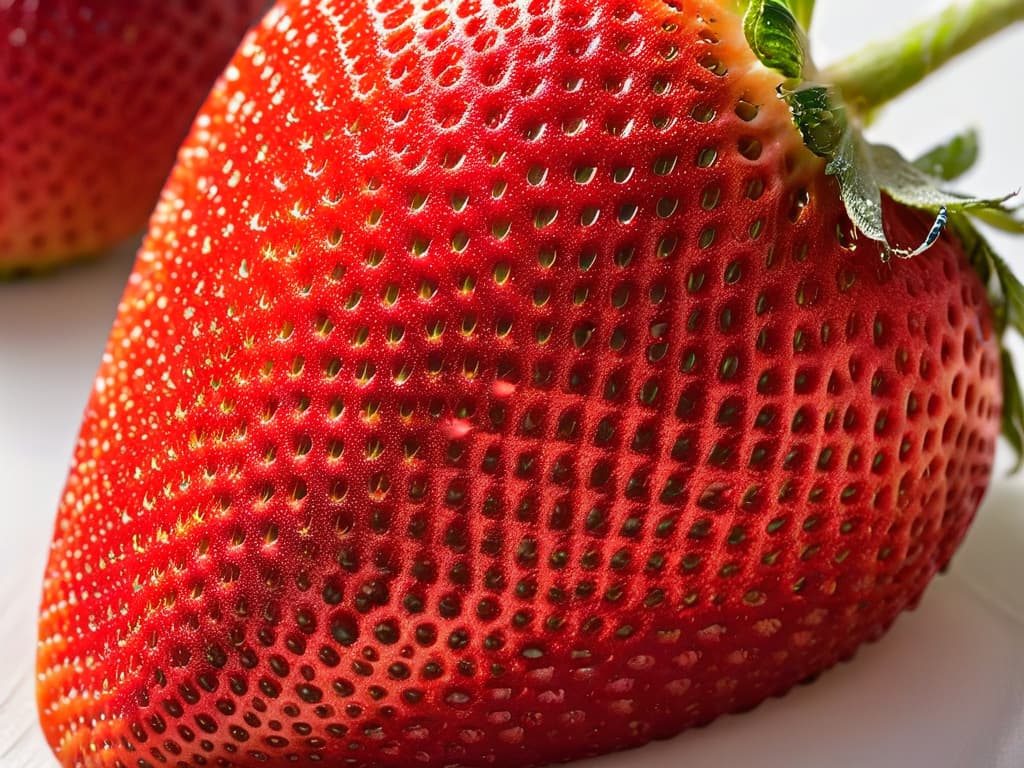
(500, 383)
(94, 101)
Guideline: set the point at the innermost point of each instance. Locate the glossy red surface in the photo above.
(498, 385)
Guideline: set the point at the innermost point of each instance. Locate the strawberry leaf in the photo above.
(951, 160)
(775, 36)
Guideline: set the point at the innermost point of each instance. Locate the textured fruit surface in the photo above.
(94, 100)
(500, 383)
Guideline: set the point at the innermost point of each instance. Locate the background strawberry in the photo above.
(94, 100)
(503, 427)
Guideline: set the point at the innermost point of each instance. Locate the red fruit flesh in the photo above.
(94, 101)
(497, 385)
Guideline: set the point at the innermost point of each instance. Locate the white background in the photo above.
(945, 689)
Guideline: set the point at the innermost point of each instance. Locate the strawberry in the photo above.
(507, 382)
(94, 100)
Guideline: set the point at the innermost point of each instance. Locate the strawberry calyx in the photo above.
(829, 109)
(832, 130)
(865, 171)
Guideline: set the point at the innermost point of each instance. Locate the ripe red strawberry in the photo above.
(94, 101)
(501, 383)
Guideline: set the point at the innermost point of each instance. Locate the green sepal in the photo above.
(820, 117)
(1006, 219)
(951, 160)
(908, 184)
(775, 37)
(865, 171)
(851, 165)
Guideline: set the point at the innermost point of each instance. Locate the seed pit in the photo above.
(665, 165)
(711, 197)
(707, 157)
(536, 175)
(746, 111)
(703, 113)
(750, 148)
(713, 64)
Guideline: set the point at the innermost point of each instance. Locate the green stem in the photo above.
(884, 70)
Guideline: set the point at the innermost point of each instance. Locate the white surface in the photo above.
(945, 689)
